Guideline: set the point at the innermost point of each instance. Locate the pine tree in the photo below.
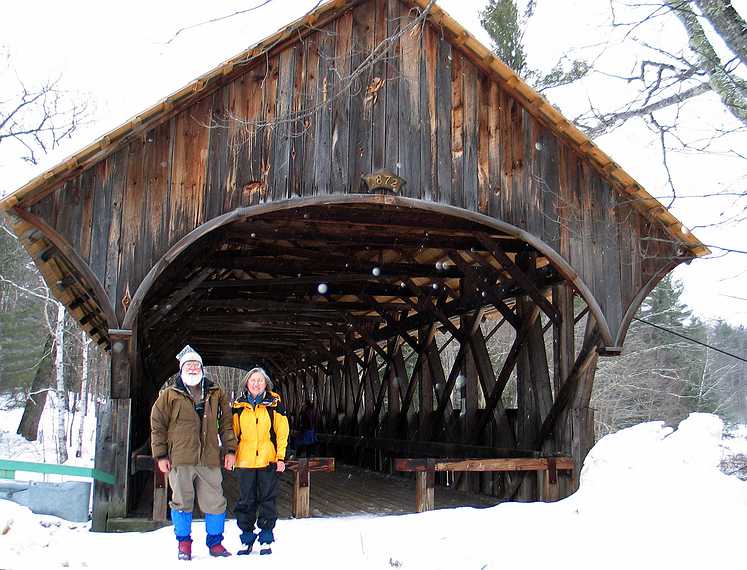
(22, 324)
(504, 24)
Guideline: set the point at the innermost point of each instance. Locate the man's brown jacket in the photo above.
(178, 433)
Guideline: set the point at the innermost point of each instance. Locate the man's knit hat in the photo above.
(188, 353)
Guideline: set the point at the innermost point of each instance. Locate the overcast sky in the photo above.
(124, 57)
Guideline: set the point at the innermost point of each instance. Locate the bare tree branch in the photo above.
(39, 118)
(595, 123)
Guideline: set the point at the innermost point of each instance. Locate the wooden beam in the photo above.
(486, 374)
(568, 389)
(390, 349)
(505, 373)
(490, 294)
(487, 464)
(395, 446)
(177, 297)
(334, 266)
(407, 400)
(451, 381)
(519, 276)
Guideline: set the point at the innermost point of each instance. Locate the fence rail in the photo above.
(8, 468)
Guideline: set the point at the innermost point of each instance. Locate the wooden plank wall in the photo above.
(309, 119)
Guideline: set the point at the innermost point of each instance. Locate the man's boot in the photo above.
(185, 550)
(214, 525)
(183, 529)
(219, 550)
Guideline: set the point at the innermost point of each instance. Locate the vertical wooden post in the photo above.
(471, 401)
(350, 377)
(572, 419)
(425, 394)
(563, 335)
(397, 382)
(337, 388)
(371, 390)
(113, 437)
(301, 488)
(120, 364)
(112, 451)
(528, 420)
(425, 483)
(564, 352)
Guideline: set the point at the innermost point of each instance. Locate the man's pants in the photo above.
(258, 489)
(186, 481)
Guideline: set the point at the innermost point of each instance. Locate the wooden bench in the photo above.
(8, 468)
(425, 469)
(301, 469)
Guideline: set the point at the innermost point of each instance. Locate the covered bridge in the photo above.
(356, 190)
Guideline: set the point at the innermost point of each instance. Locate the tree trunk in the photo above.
(37, 398)
(83, 397)
(60, 372)
(731, 91)
(728, 23)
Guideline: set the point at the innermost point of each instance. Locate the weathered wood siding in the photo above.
(310, 120)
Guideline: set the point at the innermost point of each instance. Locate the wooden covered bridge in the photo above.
(336, 203)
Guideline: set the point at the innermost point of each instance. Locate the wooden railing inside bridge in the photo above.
(425, 470)
(301, 469)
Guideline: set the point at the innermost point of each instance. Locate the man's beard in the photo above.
(191, 379)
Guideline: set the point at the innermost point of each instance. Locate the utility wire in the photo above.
(690, 339)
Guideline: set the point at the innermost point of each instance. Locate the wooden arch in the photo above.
(90, 294)
(396, 201)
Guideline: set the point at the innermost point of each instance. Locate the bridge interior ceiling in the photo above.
(304, 286)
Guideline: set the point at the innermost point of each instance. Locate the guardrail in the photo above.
(8, 468)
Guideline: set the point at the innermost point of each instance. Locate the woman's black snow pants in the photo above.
(258, 489)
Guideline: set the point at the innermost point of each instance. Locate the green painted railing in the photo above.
(8, 467)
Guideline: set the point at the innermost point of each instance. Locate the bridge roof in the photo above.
(480, 55)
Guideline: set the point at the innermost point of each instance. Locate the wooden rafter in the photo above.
(521, 278)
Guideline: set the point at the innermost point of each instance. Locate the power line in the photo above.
(690, 339)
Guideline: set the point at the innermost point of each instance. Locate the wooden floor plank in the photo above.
(354, 491)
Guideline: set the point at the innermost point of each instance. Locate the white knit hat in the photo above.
(187, 354)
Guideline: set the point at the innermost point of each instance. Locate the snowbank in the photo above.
(650, 497)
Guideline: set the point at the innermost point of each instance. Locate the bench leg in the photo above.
(301, 487)
(424, 491)
(549, 489)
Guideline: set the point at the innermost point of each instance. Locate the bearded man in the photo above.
(186, 421)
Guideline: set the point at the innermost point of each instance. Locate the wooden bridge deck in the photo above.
(353, 491)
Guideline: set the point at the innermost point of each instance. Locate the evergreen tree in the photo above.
(661, 376)
(22, 322)
(504, 24)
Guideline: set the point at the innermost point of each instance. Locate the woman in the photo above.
(261, 427)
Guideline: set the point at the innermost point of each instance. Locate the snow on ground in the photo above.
(650, 498)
